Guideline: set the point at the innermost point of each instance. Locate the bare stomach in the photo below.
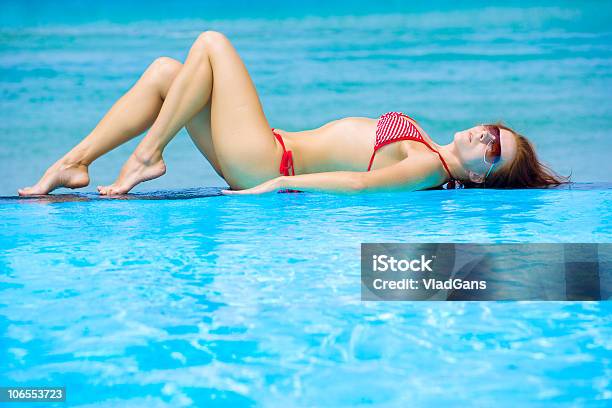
(344, 144)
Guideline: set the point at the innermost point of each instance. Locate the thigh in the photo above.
(247, 151)
(200, 133)
(165, 70)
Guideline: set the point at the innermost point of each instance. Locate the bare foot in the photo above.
(134, 171)
(61, 174)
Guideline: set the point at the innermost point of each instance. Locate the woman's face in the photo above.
(471, 145)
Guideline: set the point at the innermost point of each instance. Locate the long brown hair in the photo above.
(525, 171)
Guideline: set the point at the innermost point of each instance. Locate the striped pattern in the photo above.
(392, 126)
(395, 126)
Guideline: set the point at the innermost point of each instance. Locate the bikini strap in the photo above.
(445, 166)
(286, 165)
(432, 149)
(371, 159)
(279, 138)
(422, 140)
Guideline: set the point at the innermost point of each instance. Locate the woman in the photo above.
(212, 95)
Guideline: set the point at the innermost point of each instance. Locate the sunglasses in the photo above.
(492, 153)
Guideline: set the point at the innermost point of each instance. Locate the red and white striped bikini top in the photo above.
(393, 127)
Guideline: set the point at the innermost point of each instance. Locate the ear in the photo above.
(476, 178)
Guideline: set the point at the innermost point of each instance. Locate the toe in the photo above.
(25, 191)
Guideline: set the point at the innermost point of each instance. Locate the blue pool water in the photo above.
(211, 300)
(177, 296)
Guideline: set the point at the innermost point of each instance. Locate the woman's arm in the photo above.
(416, 173)
(330, 182)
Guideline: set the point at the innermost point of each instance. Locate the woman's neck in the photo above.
(451, 157)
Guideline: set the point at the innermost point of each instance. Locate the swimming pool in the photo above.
(178, 298)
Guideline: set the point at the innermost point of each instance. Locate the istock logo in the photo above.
(383, 263)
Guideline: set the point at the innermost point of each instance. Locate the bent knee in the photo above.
(165, 69)
(212, 40)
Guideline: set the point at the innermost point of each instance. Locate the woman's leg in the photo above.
(201, 134)
(244, 146)
(131, 115)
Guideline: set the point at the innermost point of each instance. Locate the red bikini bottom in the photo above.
(286, 164)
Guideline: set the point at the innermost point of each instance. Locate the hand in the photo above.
(265, 187)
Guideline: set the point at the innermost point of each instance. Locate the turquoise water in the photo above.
(177, 296)
(546, 70)
(211, 300)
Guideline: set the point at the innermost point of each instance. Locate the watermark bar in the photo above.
(32, 394)
(448, 271)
